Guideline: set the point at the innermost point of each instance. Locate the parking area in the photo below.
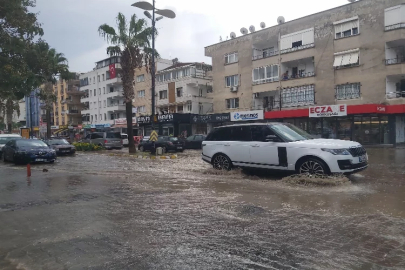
(96, 211)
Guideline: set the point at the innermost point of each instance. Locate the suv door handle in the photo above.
(227, 145)
(256, 145)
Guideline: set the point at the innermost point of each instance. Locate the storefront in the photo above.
(120, 125)
(247, 116)
(172, 124)
(203, 124)
(367, 124)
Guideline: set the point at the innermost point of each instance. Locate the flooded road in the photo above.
(96, 211)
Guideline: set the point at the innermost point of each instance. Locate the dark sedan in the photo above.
(61, 146)
(24, 151)
(194, 141)
(166, 142)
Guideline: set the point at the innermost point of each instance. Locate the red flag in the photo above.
(112, 71)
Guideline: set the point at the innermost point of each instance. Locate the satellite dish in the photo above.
(262, 25)
(244, 31)
(233, 35)
(252, 29)
(280, 20)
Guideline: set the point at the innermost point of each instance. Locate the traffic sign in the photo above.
(153, 136)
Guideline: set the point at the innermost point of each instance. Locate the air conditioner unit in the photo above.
(234, 89)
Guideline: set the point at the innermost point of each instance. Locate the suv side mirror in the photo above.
(271, 138)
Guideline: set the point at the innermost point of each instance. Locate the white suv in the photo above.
(281, 146)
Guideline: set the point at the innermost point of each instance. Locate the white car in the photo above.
(281, 146)
(124, 138)
(4, 138)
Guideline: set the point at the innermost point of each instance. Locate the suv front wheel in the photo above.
(221, 162)
(312, 166)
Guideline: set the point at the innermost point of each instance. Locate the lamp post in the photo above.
(164, 13)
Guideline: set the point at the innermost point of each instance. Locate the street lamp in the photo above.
(164, 13)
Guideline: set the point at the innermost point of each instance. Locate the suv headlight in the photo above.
(344, 152)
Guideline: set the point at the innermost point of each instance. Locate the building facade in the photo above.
(351, 55)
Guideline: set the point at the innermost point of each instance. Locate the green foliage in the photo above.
(87, 147)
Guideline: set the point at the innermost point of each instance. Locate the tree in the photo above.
(131, 41)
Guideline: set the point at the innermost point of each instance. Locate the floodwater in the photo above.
(96, 211)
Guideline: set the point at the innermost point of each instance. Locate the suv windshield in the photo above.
(113, 135)
(58, 142)
(290, 133)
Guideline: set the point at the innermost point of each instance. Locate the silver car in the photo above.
(4, 138)
(108, 140)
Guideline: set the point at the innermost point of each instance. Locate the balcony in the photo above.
(116, 81)
(395, 87)
(298, 48)
(74, 91)
(73, 112)
(115, 94)
(116, 107)
(301, 96)
(267, 101)
(394, 18)
(265, 49)
(395, 52)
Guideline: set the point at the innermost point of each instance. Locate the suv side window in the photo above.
(259, 133)
(88, 137)
(220, 134)
(240, 134)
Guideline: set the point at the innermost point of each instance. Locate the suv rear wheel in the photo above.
(312, 166)
(221, 162)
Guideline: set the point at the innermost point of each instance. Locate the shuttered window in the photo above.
(297, 39)
(347, 28)
(346, 59)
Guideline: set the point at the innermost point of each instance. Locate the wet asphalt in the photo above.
(97, 211)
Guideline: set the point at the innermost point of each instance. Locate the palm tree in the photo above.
(53, 65)
(131, 41)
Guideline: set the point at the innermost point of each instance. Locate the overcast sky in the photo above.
(71, 25)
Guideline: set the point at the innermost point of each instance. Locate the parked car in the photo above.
(108, 140)
(4, 138)
(21, 151)
(281, 146)
(166, 142)
(61, 146)
(194, 141)
(124, 138)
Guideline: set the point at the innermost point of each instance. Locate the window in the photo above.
(103, 90)
(219, 134)
(240, 133)
(201, 109)
(90, 80)
(98, 78)
(346, 28)
(163, 94)
(179, 92)
(393, 18)
(140, 78)
(231, 58)
(189, 107)
(94, 92)
(259, 133)
(141, 109)
(103, 76)
(99, 91)
(112, 116)
(94, 80)
(101, 117)
(232, 103)
(99, 104)
(104, 103)
(265, 74)
(232, 80)
(348, 91)
(105, 116)
(180, 108)
(141, 93)
(92, 118)
(298, 96)
(346, 59)
(298, 40)
(95, 117)
(111, 89)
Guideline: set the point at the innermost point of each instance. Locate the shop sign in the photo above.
(165, 117)
(102, 126)
(63, 127)
(123, 121)
(211, 118)
(87, 126)
(328, 111)
(79, 126)
(143, 119)
(247, 115)
(54, 127)
(70, 127)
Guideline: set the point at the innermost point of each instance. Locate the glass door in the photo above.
(357, 129)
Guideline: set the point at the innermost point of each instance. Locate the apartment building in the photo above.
(143, 86)
(337, 74)
(68, 106)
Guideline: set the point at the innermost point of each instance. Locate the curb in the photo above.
(144, 157)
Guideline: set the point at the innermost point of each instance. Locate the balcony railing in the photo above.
(298, 76)
(262, 81)
(73, 112)
(396, 94)
(394, 61)
(265, 54)
(394, 26)
(302, 47)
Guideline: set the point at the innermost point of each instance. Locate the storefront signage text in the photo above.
(247, 116)
(328, 111)
(211, 118)
(165, 117)
(143, 119)
(123, 121)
